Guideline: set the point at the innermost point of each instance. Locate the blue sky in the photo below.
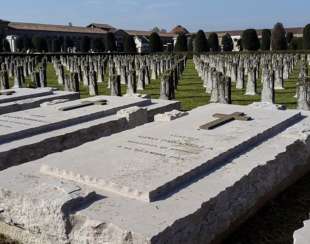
(210, 15)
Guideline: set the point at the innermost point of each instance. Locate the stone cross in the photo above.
(224, 119)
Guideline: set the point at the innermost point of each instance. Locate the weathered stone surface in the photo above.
(199, 212)
(24, 93)
(160, 149)
(37, 146)
(169, 116)
(29, 103)
(22, 124)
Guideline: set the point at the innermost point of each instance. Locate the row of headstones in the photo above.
(272, 76)
(239, 68)
(134, 71)
(20, 68)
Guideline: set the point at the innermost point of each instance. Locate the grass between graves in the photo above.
(190, 91)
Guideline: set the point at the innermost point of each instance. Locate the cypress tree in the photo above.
(201, 42)
(306, 41)
(250, 40)
(266, 40)
(214, 42)
(227, 43)
(110, 44)
(181, 44)
(278, 40)
(156, 44)
(239, 44)
(191, 43)
(129, 44)
(289, 37)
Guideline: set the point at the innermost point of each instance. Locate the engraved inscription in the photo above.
(174, 147)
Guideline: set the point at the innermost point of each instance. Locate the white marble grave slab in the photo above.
(23, 93)
(29, 103)
(156, 159)
(27, 123)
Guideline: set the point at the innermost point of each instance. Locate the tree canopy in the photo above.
(156, 44)
(250, 40)
(181, 44)
(201, 42)
(306, 41)
(266, 40)
(227, 43)
(278, 40)
(214, 42)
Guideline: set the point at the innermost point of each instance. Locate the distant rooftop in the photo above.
(101, 26)
(55, 28)
(179, 29)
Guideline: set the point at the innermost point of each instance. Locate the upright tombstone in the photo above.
(216, 79)
(279, 81)
(86, 75)
(221, 90)
(227, 91)
(116, 85)
(154, 75)
(141, 79)
(251, 84)
(4, 80)
(240, 77)
(268, 86)
(147, 77)
(93, 86)
(43, 76)
(100, 73)
(303, 94)
(132, 84)
(210, 80)
(61, 75)
(123, 75)
(74, 80)
(234, 72)
(18, 77)
(36, 78)
(165, 87)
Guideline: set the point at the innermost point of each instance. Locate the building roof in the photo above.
(55, 28)
(101, 26)
(179, 29)
(148, 33)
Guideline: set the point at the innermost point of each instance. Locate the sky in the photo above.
(209, 15)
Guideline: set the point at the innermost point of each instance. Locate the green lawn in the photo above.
(191, 92)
